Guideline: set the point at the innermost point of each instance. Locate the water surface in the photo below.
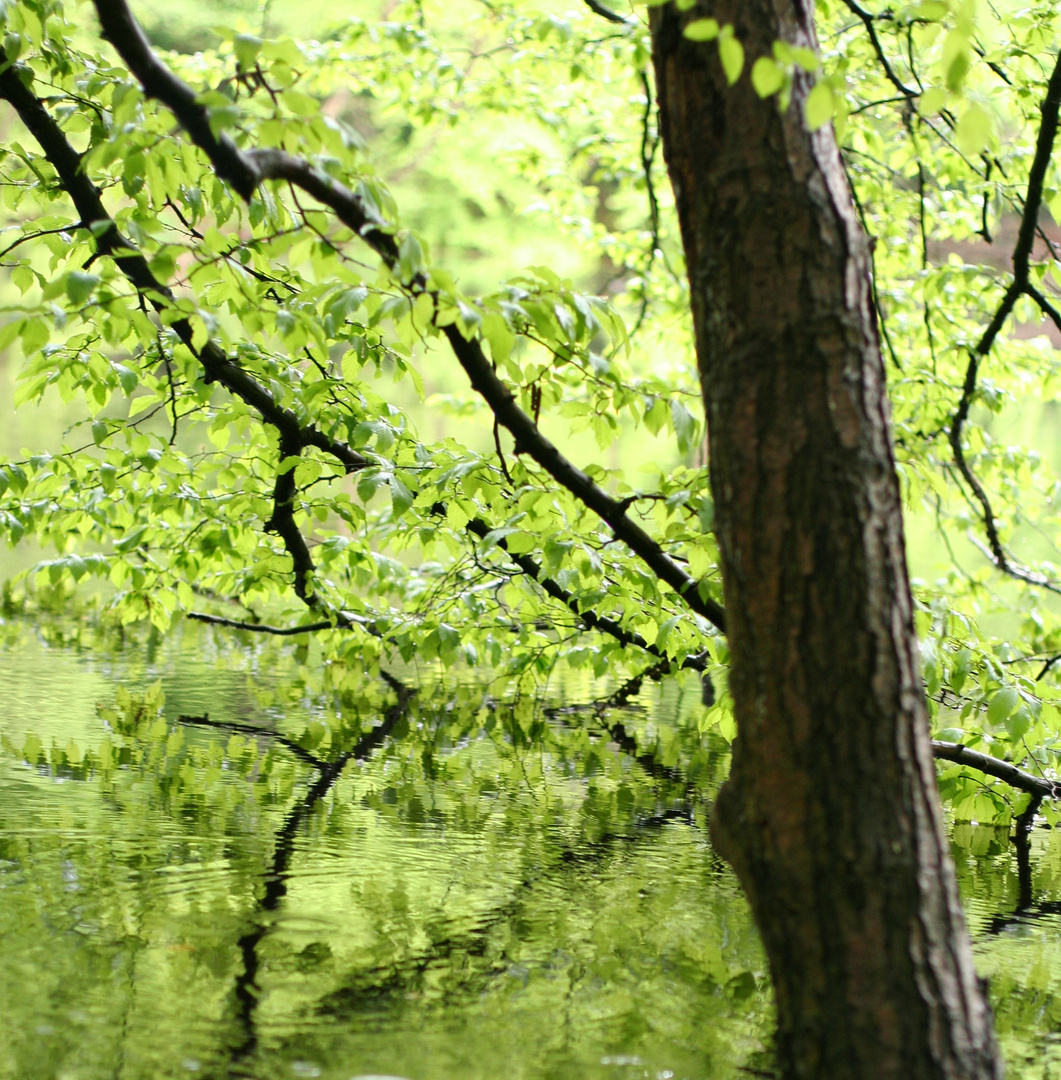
(438, 886)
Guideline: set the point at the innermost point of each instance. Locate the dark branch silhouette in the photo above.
(868, 20)
(245, 170)
(606, 13)
(591, 619)
(1037, 786)
(1020, 286)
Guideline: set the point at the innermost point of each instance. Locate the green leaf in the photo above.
(819, 106)
(767, 77)
(1002, 704)
(34, 334)
(731, 53)
(1018, 723)
(707, 514)
(685, 426)
(401, 496)
(246, 47)
(932, 101)
(805, 58)
(79, 286)
(701, 30)
(974, 130)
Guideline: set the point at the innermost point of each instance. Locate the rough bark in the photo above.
(830, 817)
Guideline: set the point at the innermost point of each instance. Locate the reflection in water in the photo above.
(493, 891)
(247, 989)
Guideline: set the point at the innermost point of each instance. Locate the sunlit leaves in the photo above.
(819, 106)
(730, 50)
(522, 193)
(767, 76)
(701, 30)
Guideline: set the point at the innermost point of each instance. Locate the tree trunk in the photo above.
(830, 817)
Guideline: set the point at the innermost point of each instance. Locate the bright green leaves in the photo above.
(80, 286)
(246, 48)
(771, 75)
(819, 106)
(730, 50)
(975, 130)
(701, 30)
(1002, 705)
(768, 77)
(730, 54)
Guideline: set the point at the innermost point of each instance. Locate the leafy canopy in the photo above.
(274, 420)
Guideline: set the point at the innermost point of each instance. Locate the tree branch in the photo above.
(868, 19)
(293, 437)
(1000, 770)
(606, 13)
(1020, 285)
(343, 620)
(590, 618)
(246, 169)
(217, 367)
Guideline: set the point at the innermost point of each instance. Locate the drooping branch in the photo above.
(1001, 770)
(591, 619)
(1020, 286)
(282, 522)
(245, 170)
(217, 367)
(528, 566)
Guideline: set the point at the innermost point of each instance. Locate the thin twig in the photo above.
(1021, 285)
(868, 19)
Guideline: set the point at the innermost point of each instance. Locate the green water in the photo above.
(477, 891)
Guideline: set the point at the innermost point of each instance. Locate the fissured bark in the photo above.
(830, 817)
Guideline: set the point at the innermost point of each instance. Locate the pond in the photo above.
(311, 875)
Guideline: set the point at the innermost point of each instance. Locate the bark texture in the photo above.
(830, 818)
